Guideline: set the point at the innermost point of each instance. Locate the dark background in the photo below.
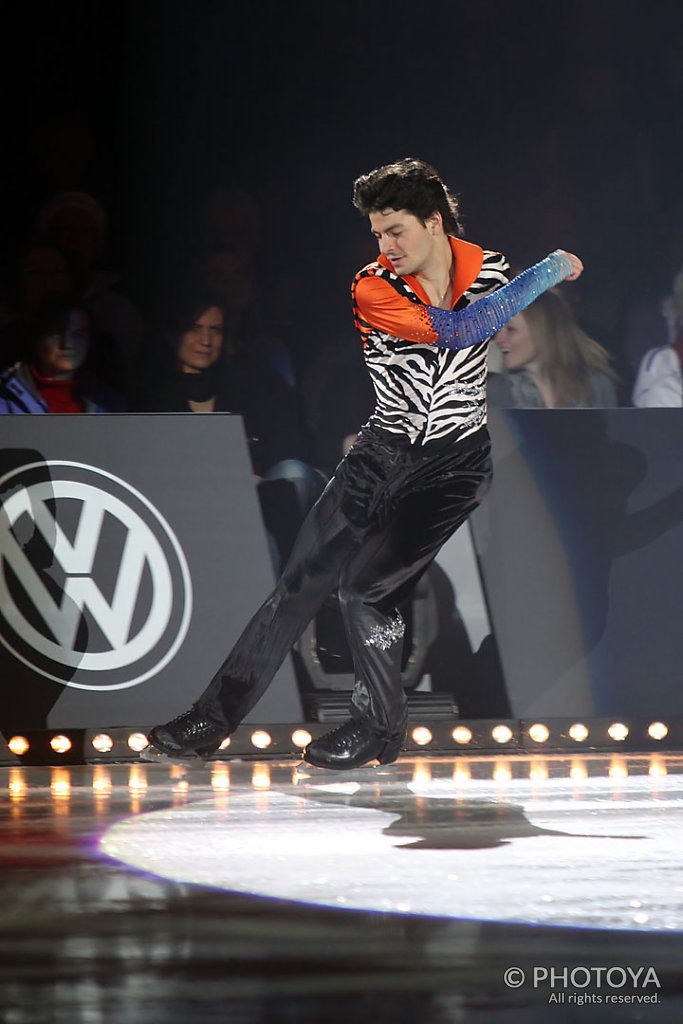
(558, 124)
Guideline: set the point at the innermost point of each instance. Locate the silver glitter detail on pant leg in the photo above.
(386, 636)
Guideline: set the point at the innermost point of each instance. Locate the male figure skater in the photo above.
(425, 311)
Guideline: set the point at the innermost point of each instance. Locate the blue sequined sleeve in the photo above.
(487, 315)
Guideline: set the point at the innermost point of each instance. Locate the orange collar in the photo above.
(468, 262)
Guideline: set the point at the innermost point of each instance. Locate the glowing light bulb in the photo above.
(421, 735)
(102, 743)
(60, 744)
(461, 734)
(261, 739)
(137, 741)
(539, 733)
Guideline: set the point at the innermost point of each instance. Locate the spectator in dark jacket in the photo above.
(195, 370)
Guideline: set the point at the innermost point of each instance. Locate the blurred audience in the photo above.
(54, 376)
(39, 271)
(649, 319)
(223, 238)
(196, 368)
(550, 362)
(233, 277)
(339, 399)
(597, 188)
(227, 218)
(659, 382)
(76, 222)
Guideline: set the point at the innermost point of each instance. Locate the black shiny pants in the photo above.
(372, 533)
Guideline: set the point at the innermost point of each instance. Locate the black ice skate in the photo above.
(352, 745)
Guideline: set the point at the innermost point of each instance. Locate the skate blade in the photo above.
(153, 756)
(310, 767)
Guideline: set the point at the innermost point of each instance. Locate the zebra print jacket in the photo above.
(424, 392)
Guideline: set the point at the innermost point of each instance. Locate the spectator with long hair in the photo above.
(197, 368)
(549, 362)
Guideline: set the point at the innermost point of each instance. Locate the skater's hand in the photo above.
(577, 265)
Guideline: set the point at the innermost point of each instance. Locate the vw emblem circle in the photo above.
(95, 590)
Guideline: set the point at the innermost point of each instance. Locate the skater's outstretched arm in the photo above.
(487, 315)
(382, 307)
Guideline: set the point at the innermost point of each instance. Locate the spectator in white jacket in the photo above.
(659, 381)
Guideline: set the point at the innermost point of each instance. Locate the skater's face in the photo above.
(516, 343)
(406, 242)
(201, 346)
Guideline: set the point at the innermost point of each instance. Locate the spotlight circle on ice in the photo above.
(539, 854)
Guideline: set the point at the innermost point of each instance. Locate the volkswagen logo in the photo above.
(95, 591)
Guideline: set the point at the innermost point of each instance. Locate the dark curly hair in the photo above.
(411, 185)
